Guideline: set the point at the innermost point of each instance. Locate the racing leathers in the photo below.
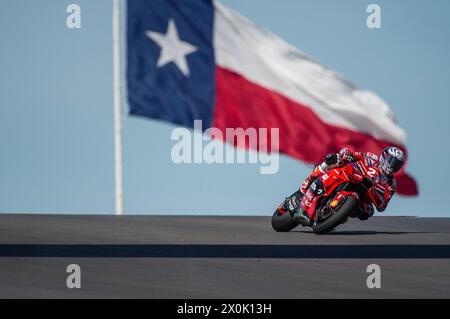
(384, 188)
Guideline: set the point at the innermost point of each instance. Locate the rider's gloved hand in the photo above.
(345, 155)
(332, 159)
(338, 159)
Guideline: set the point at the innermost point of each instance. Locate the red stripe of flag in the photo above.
(303, 135)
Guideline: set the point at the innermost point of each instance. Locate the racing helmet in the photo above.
(391, 160)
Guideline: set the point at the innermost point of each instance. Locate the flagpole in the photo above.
(117, 108)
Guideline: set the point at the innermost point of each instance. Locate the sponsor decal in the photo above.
(397, 153)
(334, 203)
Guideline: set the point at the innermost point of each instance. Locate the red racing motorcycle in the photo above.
(332, 198)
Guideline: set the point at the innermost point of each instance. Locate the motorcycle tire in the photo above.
(338, 217)
(284, 221)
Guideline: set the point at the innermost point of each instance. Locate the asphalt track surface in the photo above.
(220, 257)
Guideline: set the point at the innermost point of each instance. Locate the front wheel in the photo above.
(282, 220)
(338, 217)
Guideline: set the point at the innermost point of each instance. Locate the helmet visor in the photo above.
(394, 163)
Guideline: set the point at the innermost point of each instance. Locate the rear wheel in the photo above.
(282, 219)
(337, 217)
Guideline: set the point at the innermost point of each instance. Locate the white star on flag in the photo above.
(173, 49)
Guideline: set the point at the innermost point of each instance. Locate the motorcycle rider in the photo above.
(390, 162)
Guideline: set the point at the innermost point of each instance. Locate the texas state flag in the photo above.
(198, 60)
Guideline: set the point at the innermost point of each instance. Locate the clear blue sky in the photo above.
(56, 120)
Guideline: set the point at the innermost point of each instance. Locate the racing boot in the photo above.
(366, 211)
